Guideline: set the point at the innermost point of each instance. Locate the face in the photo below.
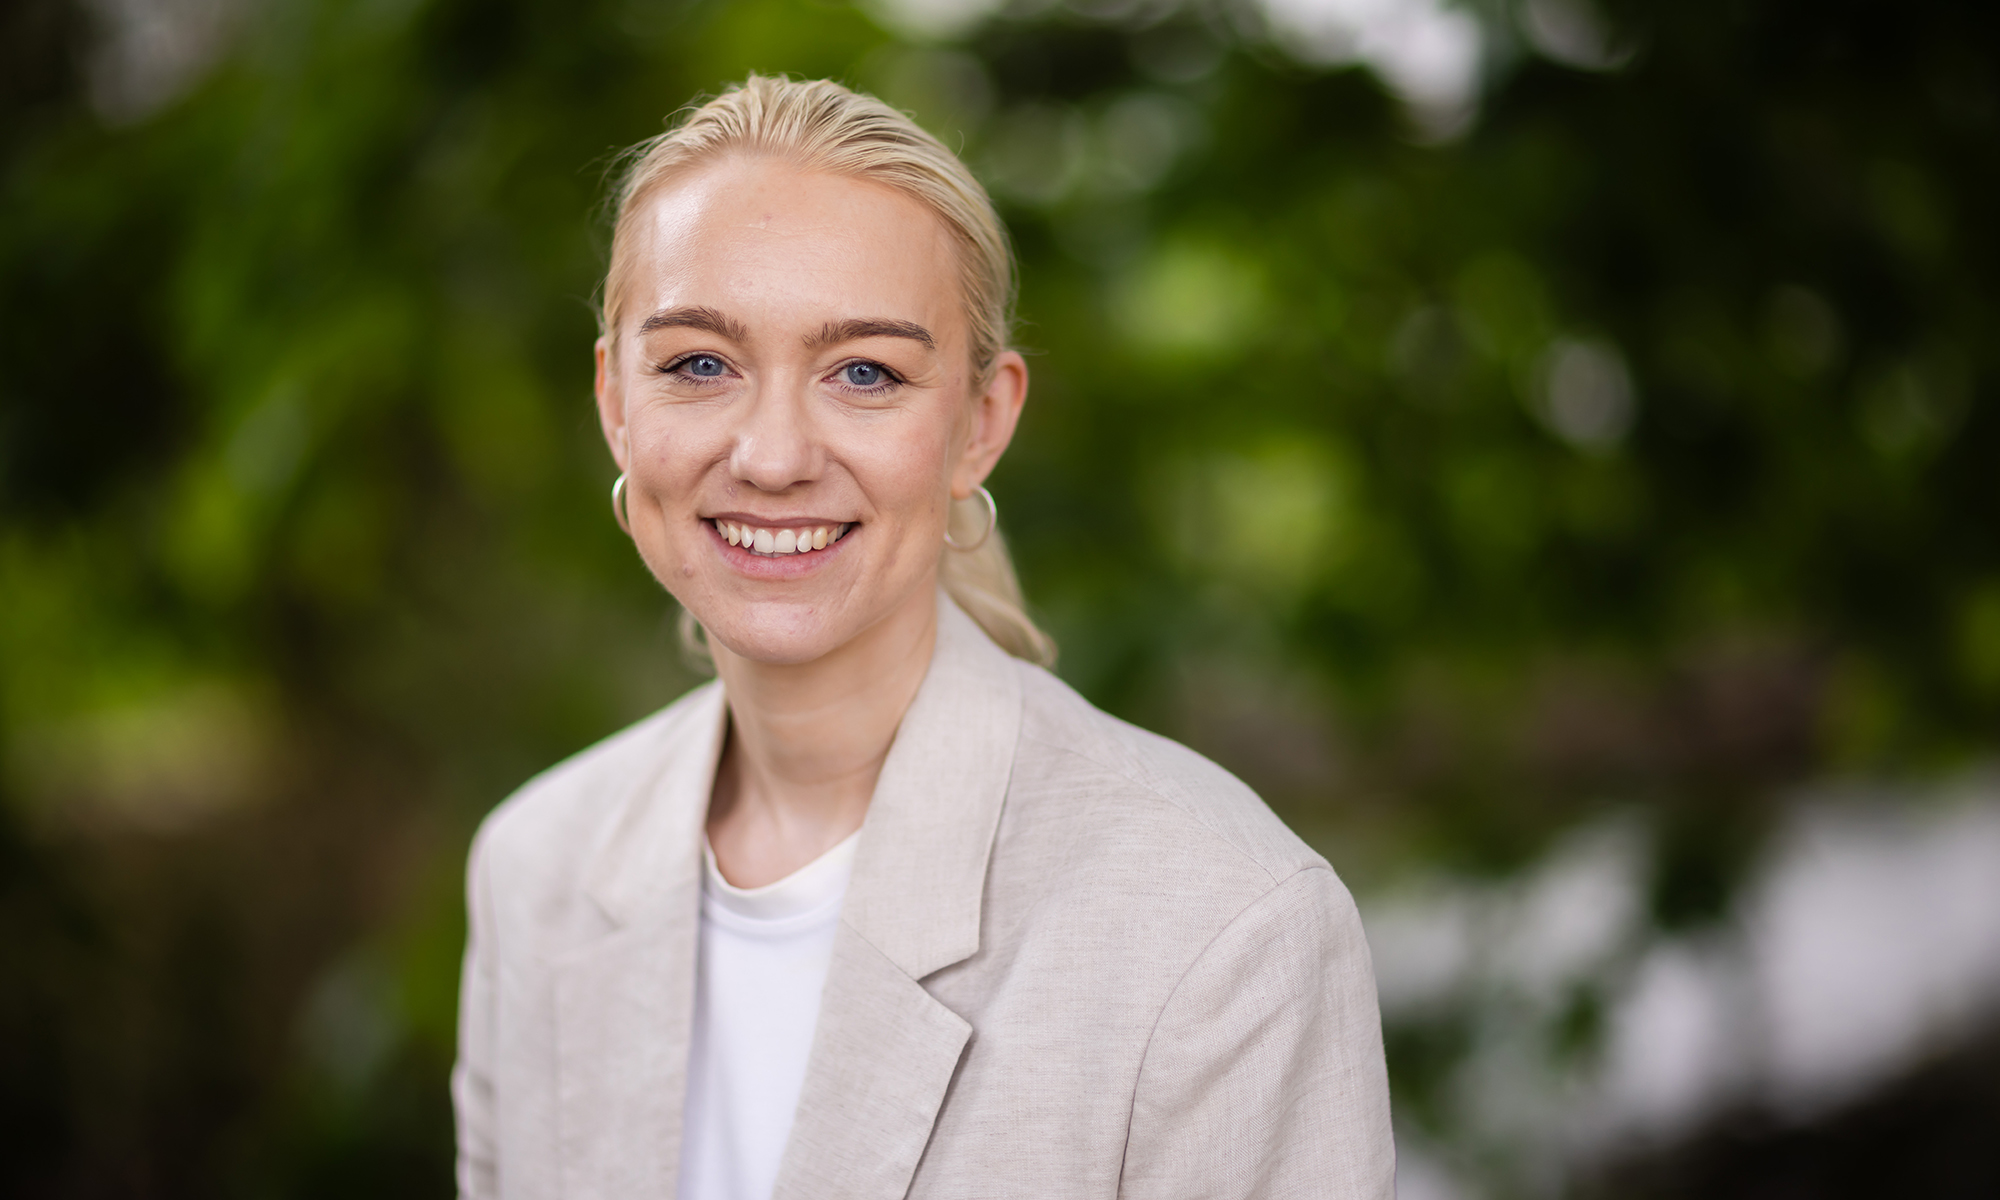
(791, 396)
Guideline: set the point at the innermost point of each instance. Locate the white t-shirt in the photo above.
(758, 978)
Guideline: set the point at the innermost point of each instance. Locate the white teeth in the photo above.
(781, 541)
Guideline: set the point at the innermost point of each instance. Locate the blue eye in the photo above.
(705, 366)
(864, 374)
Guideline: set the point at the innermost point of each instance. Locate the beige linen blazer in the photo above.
(1074, 960)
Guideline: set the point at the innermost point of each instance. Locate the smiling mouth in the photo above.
(779, 542)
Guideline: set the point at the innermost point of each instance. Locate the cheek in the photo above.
(668, 450)
(909, 477)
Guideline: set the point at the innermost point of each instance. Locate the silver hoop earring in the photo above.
(992, 522)
(618, 504)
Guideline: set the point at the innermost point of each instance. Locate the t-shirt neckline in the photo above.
(813, 886)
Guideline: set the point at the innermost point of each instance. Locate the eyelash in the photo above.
(674, 367)
(890, 379)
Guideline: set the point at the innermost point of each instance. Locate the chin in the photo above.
(778, 634)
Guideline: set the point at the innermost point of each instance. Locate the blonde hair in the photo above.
(823, 126)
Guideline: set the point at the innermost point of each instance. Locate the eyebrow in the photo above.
(706, 319)
(834, 332)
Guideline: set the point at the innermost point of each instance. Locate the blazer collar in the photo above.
(655, 846)
(625, 1002)
(920, 869)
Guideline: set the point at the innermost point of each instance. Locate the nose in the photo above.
(775, 447)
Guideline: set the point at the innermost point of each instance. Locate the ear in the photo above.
(611, 403)
(995, 414)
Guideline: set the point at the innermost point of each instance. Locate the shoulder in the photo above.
(1144, 791)
(1126, 858)
(557, 820)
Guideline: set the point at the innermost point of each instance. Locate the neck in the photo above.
(807, 742)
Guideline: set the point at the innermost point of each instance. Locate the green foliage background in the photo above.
(305, 559)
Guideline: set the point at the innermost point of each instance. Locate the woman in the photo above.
(885, 910)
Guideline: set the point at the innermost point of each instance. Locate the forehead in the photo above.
(778, 247)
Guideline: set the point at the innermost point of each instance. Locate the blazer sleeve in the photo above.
(1264, 1076)
(472, 1092)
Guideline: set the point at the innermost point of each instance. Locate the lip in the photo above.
(757, 522)
(774, 567)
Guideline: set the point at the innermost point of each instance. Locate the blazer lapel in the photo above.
(625, 1004)
(884, 1051)
(883, 1054)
